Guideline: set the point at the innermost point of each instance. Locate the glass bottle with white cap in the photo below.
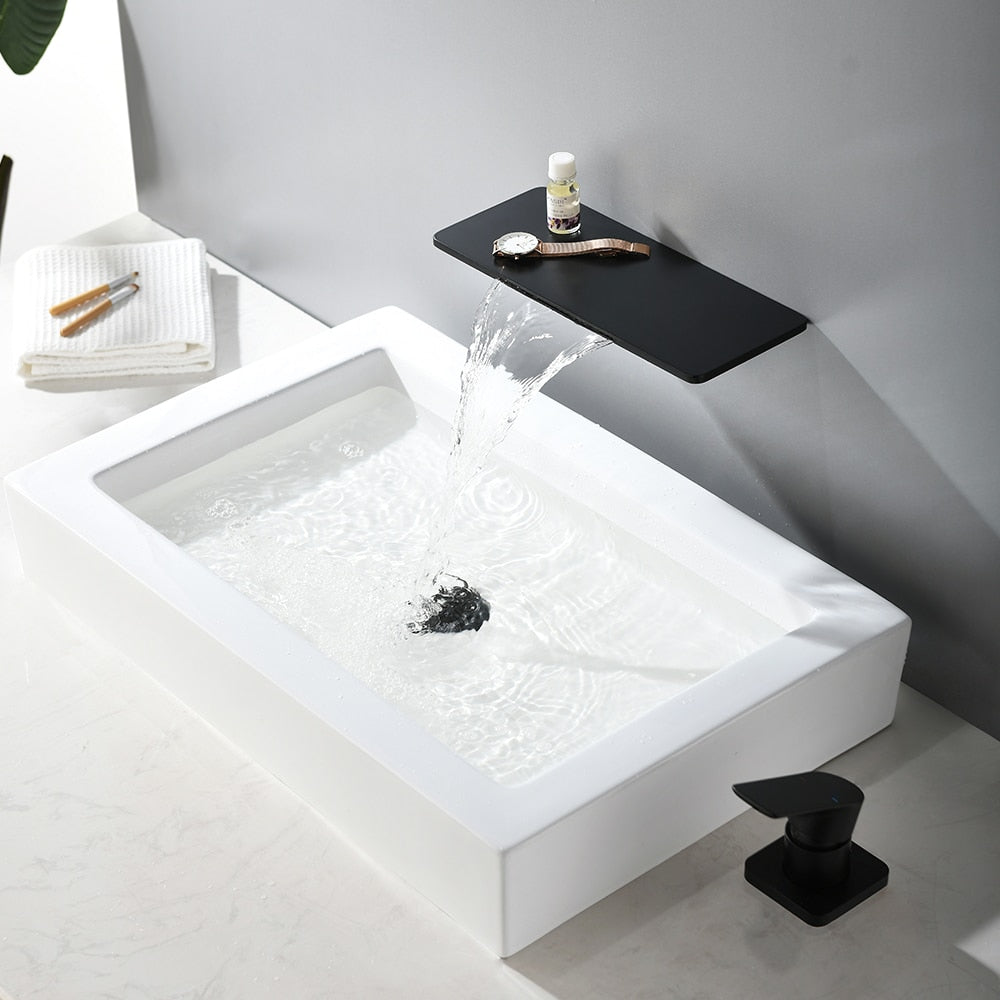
(562, 195)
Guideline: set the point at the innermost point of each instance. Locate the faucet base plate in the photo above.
(765, 871)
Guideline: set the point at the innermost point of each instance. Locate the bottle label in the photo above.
(563, 212)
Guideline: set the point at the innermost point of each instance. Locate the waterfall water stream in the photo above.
(517, 346)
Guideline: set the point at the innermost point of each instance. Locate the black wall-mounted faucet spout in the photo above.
(815, 871)
(668, 309)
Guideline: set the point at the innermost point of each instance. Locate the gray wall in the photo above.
(839, 155)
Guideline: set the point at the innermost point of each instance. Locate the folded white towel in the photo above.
(165, 328)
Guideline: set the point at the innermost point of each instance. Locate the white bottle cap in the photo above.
(561, 166)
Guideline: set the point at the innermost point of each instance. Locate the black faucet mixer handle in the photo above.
(815, 870)
(821, 808)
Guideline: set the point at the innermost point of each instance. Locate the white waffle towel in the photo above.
(165, 328)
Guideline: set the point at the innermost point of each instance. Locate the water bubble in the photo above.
(222, 508)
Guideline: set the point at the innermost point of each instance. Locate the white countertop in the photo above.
(143, 856)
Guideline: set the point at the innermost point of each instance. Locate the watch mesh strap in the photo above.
(607, 245)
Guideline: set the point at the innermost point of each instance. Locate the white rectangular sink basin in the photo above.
(508, 855)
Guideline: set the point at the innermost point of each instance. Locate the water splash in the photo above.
(517, 347)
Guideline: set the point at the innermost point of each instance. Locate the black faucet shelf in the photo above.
(667, 308)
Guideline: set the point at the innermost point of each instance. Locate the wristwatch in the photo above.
(516, 245)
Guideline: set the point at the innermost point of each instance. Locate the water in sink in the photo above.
(327, 523)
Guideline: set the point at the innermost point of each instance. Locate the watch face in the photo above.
(516, 244)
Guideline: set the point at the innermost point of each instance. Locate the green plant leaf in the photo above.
(26, 28)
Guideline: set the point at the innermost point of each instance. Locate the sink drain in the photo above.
(454, 607)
